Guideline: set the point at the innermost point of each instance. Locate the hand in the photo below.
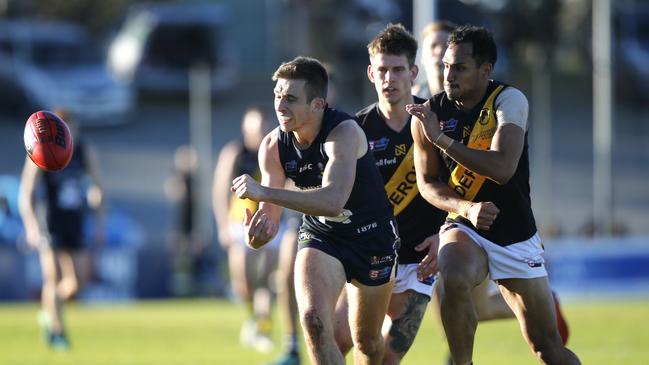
(247, 187)
(481, 214)
(258, 229)
(428, 265)
(34, 238)
(427, 118)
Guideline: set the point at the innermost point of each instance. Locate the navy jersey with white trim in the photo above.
(65, 189)
(367, 201)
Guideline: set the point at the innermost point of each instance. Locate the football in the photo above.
(48, 141)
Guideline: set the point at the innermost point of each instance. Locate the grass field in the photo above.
(206, 332)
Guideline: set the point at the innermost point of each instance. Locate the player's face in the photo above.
(291, 106)
(392, 77)
(463, 77)
(254, 129)
(434, 46)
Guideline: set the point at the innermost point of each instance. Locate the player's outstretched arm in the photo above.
(28, 182)
(223, 175)
(500, 161)
(262, 226)
(345, 144)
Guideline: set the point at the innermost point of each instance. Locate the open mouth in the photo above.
(389, 90)
(283, 119)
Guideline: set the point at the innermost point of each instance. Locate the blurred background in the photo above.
(144, 79)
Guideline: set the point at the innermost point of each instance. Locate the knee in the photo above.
(455, 281)
(343, 338)
(369, 345)
(312, 324)
(72, 287)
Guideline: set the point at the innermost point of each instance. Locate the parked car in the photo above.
(158, 43)
(48, 64)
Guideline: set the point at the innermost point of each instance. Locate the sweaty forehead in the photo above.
(458, 53)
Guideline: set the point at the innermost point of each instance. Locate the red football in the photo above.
(48, 141)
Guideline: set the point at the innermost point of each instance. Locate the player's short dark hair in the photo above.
(307, 69)
(394, 40)
(484, 46)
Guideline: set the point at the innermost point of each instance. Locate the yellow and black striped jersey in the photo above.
(393, 152)
(475, 129)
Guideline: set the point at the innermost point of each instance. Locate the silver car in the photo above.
(49, 64)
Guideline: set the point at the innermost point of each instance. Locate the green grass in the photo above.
(206, 332)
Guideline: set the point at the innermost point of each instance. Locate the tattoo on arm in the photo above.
(404, 328)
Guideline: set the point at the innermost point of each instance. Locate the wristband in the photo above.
(449, 146)
(443, 142)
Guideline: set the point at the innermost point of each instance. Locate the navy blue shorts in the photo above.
(367, 257)
(66, 231)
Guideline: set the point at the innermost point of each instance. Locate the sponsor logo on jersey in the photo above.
(448, 125)
(386, 161)
(400, 149)
(290, 166)
(379, 144)
(307, 236)
(378, 260)
(381, 273)
(306, 167)
(484, 116)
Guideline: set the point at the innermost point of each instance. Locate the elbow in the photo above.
(503, 178)
(333, 211)
(333, 204)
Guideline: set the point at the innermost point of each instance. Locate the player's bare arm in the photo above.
(262, 226)
(498, 163)
(437, 192)
(28, 181)
(221, 189)
(343, 146)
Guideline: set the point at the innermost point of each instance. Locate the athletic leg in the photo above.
(342, 332)
(319, 279)
(72, 266)
(367, 308)
(489, 303)
(463, 265)
(50, 300)
(286, 297)
(532, 302)
(406, 311)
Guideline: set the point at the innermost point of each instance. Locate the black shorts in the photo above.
(367, 257)
(66, 231)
